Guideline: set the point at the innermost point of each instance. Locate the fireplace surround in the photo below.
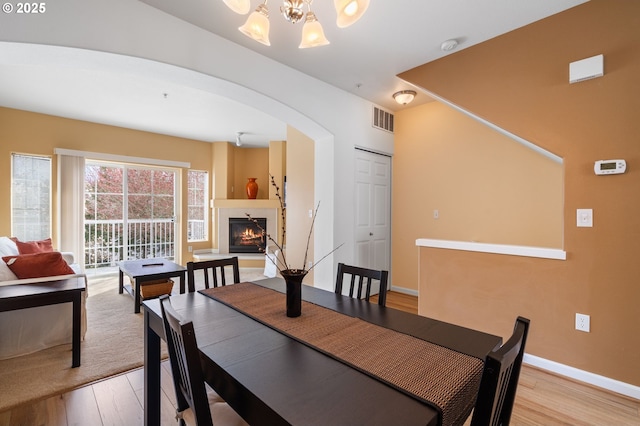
(226, 213)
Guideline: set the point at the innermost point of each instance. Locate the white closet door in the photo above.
(373, 210)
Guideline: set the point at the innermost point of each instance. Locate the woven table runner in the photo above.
(445, 379)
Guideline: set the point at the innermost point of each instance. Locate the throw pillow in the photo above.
(35, 265)
(28, 247)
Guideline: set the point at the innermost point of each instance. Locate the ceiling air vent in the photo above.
(382, 119)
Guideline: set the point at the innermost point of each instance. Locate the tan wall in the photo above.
(485, 186)
(300, 198)
(519, 81)
(221, 175)
(251, 162)
(33, 133)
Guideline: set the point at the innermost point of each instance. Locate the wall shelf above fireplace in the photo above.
(238, 204)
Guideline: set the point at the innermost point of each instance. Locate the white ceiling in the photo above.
(364, 59)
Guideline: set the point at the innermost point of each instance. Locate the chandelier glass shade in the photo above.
(241, 7)
(349, 11)
(312, 33)
(257, 24)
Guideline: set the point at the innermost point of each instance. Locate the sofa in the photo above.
(25, 331)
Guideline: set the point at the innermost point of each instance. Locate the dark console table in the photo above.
(22, 296)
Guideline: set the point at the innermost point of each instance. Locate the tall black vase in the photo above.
(293, 278)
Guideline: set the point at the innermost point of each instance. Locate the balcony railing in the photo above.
(108, 241)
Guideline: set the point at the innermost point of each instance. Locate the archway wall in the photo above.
(335, 119)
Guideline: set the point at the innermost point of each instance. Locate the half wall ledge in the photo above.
(510, 250)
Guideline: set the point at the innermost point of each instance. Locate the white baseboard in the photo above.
(408, 291)
(583, 376)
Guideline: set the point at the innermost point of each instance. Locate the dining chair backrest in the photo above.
(499, 382)
(213, 271)
(185, 364)
(362, 279)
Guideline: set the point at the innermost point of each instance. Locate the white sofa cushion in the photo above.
(8, 247)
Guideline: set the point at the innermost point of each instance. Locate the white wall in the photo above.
(335, 119)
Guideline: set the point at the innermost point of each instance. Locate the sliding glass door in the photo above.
(129, 213)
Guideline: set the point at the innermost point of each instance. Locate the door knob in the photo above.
(371, 234)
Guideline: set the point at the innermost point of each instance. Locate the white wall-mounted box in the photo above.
(586, 69)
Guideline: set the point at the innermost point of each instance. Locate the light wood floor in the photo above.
(542, 399)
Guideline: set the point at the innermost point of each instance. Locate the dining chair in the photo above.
(497, 393)
(195, 405)
(211, 268)
(360, 274)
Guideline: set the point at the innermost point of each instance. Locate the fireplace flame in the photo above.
(248, 233)
(250, 236)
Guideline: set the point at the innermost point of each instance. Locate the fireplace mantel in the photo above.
(248, 204)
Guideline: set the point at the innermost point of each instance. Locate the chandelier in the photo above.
(257, 24)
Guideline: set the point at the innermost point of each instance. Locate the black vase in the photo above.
(293, 278)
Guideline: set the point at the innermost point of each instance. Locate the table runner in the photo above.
(443, 378)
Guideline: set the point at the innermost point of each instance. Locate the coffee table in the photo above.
(142, 271)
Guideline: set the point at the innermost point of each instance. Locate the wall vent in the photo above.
(382, 119)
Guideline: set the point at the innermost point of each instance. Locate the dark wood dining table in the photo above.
(270, 378)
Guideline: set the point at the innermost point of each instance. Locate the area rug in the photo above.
(113, 344)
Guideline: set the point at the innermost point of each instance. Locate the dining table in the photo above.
(344, 361)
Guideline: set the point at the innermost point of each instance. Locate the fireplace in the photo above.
(246, 236)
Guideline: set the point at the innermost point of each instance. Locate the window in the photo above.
(129, 213)
(197, 195)
(30, 197)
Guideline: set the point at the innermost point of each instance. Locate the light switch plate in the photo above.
(584, 218)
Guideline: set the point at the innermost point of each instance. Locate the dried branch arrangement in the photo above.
(281, 260)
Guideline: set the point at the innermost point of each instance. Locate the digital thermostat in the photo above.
(609, 167)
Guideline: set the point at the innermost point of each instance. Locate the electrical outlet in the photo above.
(436, 214)
(190, 249)
(583, 322)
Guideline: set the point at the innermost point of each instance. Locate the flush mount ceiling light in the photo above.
(404, 97)
(257, 24)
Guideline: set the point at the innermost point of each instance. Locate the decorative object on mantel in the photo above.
(292, 276)
(252, 188)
